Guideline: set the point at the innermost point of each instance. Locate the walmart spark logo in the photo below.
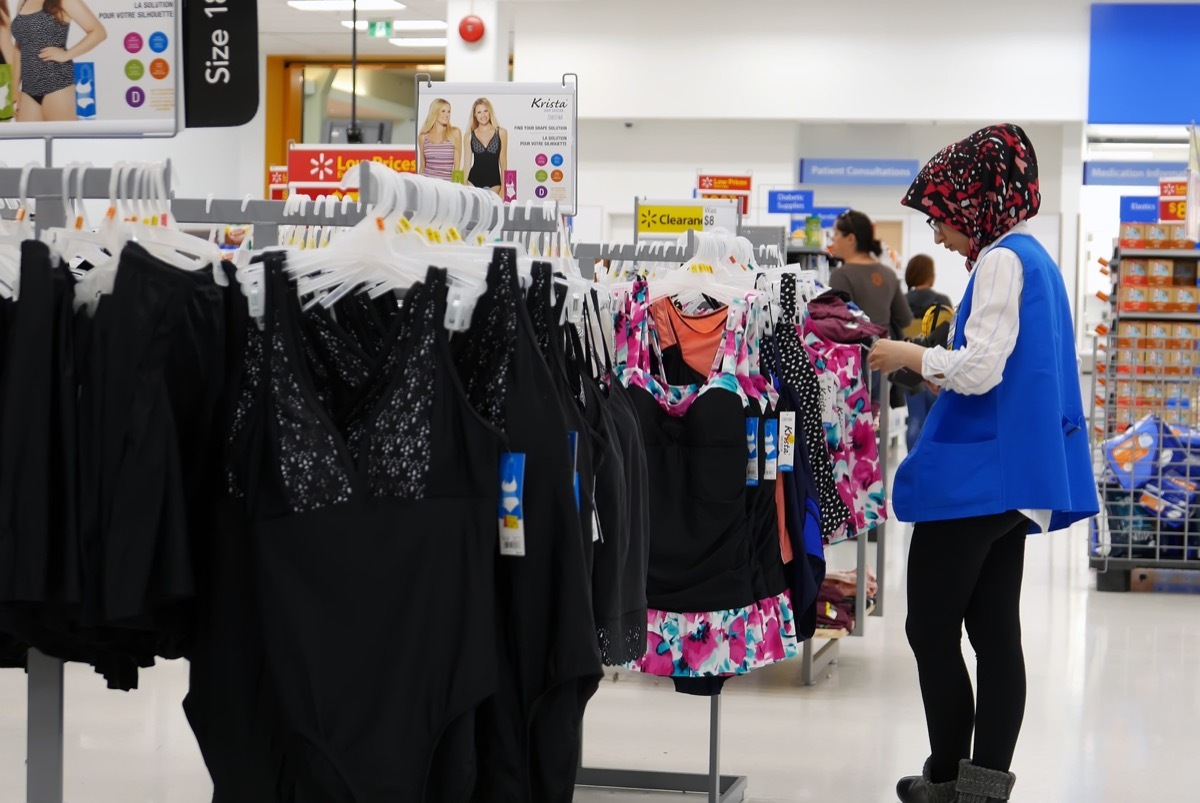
(322, 166)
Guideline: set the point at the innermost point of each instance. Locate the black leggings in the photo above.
(969, 570)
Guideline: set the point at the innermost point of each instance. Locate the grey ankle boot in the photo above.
(979, 785)
(919, 789)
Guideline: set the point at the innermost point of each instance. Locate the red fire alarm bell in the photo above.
(471, 28)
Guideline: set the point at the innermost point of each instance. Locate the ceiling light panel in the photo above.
(420, 41)
(346, 5)
(404, 25)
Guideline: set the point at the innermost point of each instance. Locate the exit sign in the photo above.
(379, 30)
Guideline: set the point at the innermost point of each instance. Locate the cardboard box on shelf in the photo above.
(1129, 361)
(1133, 299)
(1161, 299)
(1179, 238)
(1133, 272)
(1185, 272)
(1186, 333)
(1185, 299)
(1158, 330)
(1158, 235)
(1155, 360)
(1133, 235)
(1160, 272)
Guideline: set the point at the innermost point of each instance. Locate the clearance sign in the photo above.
(319, 169)
(669, 219)
(725, 187)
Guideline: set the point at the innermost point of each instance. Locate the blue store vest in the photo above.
(1022, 445)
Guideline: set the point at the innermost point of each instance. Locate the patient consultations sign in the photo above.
(859, 171)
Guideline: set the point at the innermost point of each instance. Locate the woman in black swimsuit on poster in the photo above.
(487, 157)
(44, 68)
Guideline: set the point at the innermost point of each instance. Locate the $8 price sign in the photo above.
(1172, 211)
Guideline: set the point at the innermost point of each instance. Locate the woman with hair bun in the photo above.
(874, 287)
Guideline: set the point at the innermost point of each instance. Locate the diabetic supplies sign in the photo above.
(96, 68)
(725, 187)
(315, 170)
(667, 220)
(517, 140)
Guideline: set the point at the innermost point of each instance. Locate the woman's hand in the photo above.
(892, 355)
(54, 54)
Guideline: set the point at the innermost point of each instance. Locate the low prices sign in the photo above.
(277, 182)
(725, 187)
(1172, 200)
(319, 169)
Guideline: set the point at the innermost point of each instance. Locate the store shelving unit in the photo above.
(1148, 362)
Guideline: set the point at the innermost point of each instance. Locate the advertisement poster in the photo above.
(517, 140)
(83, 68)
(316, 170)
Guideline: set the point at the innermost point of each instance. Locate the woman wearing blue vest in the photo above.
(1004, 452)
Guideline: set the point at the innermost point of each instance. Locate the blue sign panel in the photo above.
(1131, 174)
(789, 202)
(859, 171)
(1157, 85)
(1139, 208)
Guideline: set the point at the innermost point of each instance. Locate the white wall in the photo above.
(787, 60)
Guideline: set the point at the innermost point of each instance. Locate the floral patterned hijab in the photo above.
(982, 186)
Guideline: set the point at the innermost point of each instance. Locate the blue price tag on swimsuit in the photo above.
(771, 449)
(512, 504)
(752, 451)
(573, 437)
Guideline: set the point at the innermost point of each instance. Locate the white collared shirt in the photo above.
(991, 333)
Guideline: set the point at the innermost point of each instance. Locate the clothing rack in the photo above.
(265, 216)
(815, 660)
(719, 788)
(770, 244)
(44, 718)
(588, 253)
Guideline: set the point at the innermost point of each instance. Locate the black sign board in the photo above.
(221, 62)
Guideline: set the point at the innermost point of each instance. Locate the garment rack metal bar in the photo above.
(719, 788)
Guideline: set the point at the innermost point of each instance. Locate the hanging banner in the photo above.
(725, 187)
(898, 172)
(517, 140)
(94, 68)
(319, 169)
(790, 202)
(669, 219)
(1131, 174)
(220, 44)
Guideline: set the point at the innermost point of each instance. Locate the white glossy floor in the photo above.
(1114, 711)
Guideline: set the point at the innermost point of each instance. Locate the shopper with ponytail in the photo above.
(873, 287)
(1004, 453)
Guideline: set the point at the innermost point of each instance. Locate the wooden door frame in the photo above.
(285, 100)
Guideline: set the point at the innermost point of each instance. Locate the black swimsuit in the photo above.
(485, 170)
(376, 566)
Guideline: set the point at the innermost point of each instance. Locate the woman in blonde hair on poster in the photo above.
(486, 160)
(440, 143)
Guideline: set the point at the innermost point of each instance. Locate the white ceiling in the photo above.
(284, 30)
